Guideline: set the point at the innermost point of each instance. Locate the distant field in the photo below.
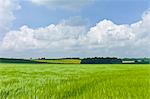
(36, 61)
(74, 81)
(60, 61)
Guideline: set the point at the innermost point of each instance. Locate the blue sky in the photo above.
(79, 28)
(119, 11)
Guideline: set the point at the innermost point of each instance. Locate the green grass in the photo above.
(74, 81)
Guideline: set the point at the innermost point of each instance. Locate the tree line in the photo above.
(114, 60)
(101, 60)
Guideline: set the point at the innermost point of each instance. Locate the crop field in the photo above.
(74, 81)
(60, 61)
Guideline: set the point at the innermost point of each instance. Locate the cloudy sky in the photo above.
(74, 28)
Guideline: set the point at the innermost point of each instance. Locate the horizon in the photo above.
(44, 58)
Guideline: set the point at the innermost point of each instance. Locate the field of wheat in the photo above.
(74, 81)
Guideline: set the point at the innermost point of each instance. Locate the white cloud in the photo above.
(104, 39)
(52, 36)
(108, 34)
(121, 40)
(7, 7)
(142, 30)
(63, 4)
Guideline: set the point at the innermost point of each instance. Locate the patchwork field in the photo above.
(74, 81)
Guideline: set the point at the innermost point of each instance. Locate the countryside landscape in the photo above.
(74, 49)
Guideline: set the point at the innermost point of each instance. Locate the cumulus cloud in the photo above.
(121, 40)
(108, 34)
(63, 4)
(52, 36)
(7, 7)
(104, 39)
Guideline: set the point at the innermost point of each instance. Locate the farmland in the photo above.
(74, 81)
(59, 61)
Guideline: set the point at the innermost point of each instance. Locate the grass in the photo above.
(74, 81)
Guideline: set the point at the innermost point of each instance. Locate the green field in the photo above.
(74, 81)
(60, 61)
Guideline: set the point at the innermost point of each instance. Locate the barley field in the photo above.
(74, 81)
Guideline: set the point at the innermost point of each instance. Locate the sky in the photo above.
(74, 28)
